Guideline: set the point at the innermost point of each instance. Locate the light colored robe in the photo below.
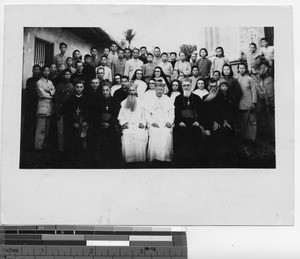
(134, 139)
(160, 111)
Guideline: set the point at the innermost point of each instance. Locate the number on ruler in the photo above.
(91, 251)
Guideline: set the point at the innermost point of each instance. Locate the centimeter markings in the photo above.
(91, 242)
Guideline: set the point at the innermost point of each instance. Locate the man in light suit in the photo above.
(45, 92)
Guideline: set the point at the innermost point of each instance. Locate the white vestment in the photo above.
(134, 139)
(160, 111)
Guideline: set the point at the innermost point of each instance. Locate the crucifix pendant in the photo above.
(78, 111)
(106, 107)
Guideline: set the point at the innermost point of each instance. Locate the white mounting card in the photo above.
(148, 196)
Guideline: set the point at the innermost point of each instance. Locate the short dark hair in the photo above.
(65, 71)
(173, 53)
(143, 47)
(194, 67)
(62, 44)
(212, 81)
(126, 77)
(78, 81)
(157, 48)
(265, 39)
(149, 54)
(103, 56)
(204, 50)
(253, 44)
(217, 71)
(77, 62)
(93, 48)
(164, 53)
(87, 56)
(44, 67)
(243, 64)
(36, 65)
(128, 49)
(135, 49)
(121, 49)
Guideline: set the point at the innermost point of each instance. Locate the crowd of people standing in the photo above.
(142, 108)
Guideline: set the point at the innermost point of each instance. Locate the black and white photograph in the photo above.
(133, 95)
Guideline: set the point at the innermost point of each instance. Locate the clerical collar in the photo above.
(78, 95)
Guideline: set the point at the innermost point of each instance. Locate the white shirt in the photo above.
(132, 65)
(114, 88)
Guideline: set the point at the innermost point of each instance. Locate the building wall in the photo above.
(53, 35)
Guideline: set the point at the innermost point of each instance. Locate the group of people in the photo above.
(132, 106)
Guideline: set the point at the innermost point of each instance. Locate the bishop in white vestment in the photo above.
(132, 120)
(159, 113)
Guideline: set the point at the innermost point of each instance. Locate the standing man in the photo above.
(127, 54)
(159, 113)
(100, 75)
(107, 70)
(143, 56)
(133, 124)
(79, 75)
(157, 58)
(113, 55)
(183, 66)
(166, 66)
(94, 57)
(60, 59)
(189, 126)
(133, 64)
(118, 66)
(173, 57)
(63, 92)
(30, 106)
(148, 68)
(45, 90)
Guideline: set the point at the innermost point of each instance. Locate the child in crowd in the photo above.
(219, 60)
(195, 76)
(203, 63)
(148, 68)
(183, 66)
(166, 66)
(201, 91)
(76, 56)
(69, 65)
(175, 75)
(216, 75)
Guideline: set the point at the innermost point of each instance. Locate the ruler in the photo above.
(92, 242)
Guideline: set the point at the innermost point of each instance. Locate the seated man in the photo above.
(132, 120)
(189, 131)
(159, 113)
(108, 133)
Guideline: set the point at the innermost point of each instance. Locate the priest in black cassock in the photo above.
(189, 130)
(76, 127)
(108, 131)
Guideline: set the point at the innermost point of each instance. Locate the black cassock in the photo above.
(188, 141)
(108, 150)
(76, 127)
